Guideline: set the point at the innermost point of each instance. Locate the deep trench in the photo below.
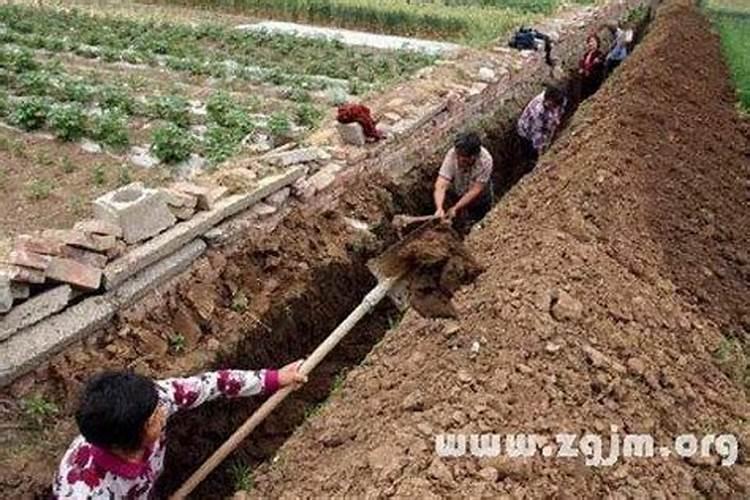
(299, 325)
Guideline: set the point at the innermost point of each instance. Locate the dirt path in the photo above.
(616, 277)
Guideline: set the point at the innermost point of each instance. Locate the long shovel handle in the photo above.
(368, 303)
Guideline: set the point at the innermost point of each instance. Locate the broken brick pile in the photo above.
(78, 256)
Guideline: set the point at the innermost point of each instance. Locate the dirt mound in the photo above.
(614, 300)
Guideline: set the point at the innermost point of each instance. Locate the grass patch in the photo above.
(733, 23)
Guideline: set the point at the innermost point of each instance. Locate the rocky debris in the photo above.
(487, 75)
(25, 274)
(206, 196)
(351, 133)
(94, 242)
(263, 209)
(20, 291)
(325, 176)
(178, 199)
(86, 257)
(27, 259)
(599, 360)
(489, 474)
(279, 197)
(90, 146)
(184, 324)
(141, 212)
(35, 244)
(142, 157)
(413, 402)
(182, 213)
(564, 307)
(70, 271)
(99, 227)
(295, 156)
(552, 348)
(237, 180)
(636, 366)
(440, 472)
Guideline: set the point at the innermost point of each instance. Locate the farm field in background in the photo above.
(90, 102)
(472, 22)
(732, 19)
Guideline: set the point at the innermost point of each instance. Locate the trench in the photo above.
(292, 328)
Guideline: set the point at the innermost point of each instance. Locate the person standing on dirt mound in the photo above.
(122, 418)
(539, 122)
(466, 178)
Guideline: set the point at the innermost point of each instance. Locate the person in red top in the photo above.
(591, 66)
(359, 113)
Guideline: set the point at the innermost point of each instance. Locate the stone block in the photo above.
(182, 213)
(351, 133)
(77, 274)
(20, 291)
(175, 198)
(30, 347)
(95, 242)
(44, 246)
(157, 274)
(325, 176)
(141, 212)
(99, 227)
(25, 274)
(206, 196)
(27, 259)
(262, 209)
(86, 257)
(33, 310)
(295, 156)
(279, 197)
(170, 241)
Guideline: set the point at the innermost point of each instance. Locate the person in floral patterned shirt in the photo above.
(122, 419)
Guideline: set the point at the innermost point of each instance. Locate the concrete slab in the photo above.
(6, 295)
(34, 310)
(157, 274)
(351, 133)
(70, 271)
(170, 241)
(295, 156)
(140, 212)
(355, 38)
(31, 346)
(20, 291)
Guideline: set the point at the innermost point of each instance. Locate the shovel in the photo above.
(390, 271)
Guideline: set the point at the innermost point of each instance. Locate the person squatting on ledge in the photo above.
(122, 418)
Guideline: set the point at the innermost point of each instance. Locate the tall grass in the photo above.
(733, 22)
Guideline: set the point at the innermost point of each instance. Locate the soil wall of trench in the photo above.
(268, 299)
(615, 300)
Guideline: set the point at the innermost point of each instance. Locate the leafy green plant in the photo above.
(123, 176)
(171, 143)
(177, 343)
(68, 121)
(111, 128)
(308, 115)
(239, 302)
(18, 60)
(242, 476)
(115, 98)
(39, 189)
(220, 143)
(35, 83)
(38, 409)
(171, 108)
(76, 91)
(279, 125)
(30, 113)
(68, 167)
(99, 175)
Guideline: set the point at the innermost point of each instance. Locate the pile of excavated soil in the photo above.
(616, 278)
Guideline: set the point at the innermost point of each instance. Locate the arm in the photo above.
(441, 186)
(186, 393)
(474, 192)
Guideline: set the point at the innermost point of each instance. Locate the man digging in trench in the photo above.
(466, 178)
(122, 419)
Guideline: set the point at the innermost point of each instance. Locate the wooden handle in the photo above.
(368, 303)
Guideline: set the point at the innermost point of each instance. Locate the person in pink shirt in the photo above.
(122, 419)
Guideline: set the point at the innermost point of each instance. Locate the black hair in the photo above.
(114, 409)
(468, 144)
(554, 94)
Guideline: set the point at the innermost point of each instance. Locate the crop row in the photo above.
(43, 95)
(198, 48)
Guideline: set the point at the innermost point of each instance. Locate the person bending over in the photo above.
(466, 177)
(122, 419)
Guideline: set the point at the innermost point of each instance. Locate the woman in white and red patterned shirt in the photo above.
(122, 417)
